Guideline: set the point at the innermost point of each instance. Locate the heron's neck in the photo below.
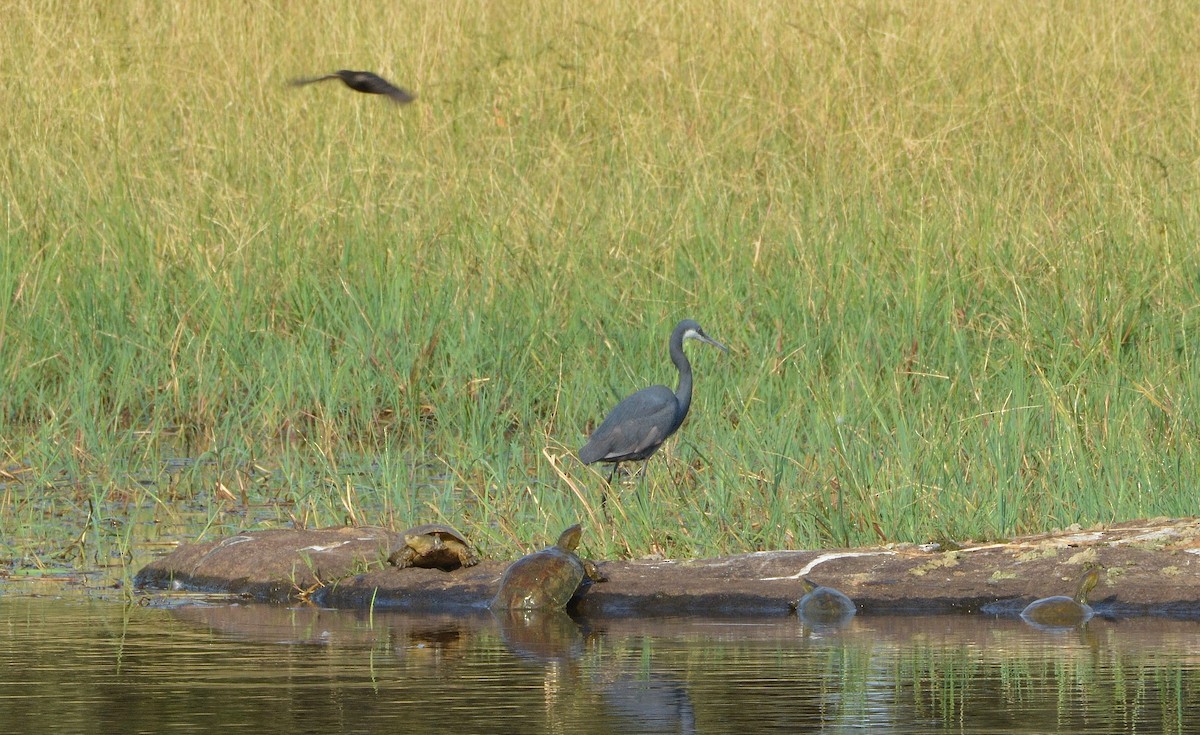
(683, 393)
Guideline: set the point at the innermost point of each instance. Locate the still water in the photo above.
(188, 665)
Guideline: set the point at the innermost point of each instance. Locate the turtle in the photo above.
(548, 579)
(823, 605)
(1061, 611)
(433, 545)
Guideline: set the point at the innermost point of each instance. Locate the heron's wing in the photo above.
(638, 424)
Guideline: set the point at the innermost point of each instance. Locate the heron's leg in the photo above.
(642, 493)
(642, 472)
(604, 492)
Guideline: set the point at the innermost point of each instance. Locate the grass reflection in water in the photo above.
(75, 664)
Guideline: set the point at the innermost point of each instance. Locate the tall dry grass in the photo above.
(952, 244)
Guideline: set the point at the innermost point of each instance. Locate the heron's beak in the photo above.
(714, 343)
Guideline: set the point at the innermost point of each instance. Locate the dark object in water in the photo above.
(548, 579)
(1061, 611)
(823, 605)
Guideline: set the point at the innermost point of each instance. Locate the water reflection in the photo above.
(543, 636)
(81, 665)
(649, 703)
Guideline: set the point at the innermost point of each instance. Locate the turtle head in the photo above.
(592, 572)
(569, 540)
(806, 586)
(1087, 583)
(423, 543)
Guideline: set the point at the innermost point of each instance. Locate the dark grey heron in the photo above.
(638, 426)
(365, 82)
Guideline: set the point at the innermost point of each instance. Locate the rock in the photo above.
(1148, 573)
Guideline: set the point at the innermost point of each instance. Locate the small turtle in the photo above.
(433, 545)
(363, 81)
(823, 605)
(1061, 611)
(547, 579)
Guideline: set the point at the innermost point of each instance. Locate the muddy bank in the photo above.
(1151, 568)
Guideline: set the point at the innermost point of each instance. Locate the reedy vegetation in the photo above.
(952, 246)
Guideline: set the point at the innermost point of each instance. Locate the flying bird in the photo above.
(363, 81)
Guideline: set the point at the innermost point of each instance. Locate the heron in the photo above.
(363, 81)
(640, 423)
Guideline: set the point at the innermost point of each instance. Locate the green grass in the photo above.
(953, 248)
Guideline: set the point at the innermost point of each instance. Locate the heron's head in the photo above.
(692, 330)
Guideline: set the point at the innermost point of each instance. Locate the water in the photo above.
(186, 665)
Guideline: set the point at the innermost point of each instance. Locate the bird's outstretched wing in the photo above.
(310, 80)
(363, 81)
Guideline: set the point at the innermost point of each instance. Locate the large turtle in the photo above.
(547, 579)
(433, 545)
(1061, 611)
(823, 605)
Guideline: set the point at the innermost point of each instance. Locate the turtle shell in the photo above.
(1061, 611)
(436, 529)
(546, 579)
(1058, 611)
(823, 605)
(434, 546)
